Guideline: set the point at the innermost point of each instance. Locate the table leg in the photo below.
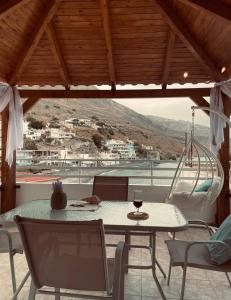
(154, 265)
(126, 252)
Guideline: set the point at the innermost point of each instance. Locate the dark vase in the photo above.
(58, 200)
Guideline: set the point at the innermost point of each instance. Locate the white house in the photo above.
(124, 149)
(109, 155)
(85, 122)
(35, 134)
(147, 147)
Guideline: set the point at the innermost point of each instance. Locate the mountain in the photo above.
(165, 135)
(179, 127)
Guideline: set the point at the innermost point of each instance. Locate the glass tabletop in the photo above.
(162, 216)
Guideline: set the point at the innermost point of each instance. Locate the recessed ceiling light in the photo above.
(185, 74)
(223, 69)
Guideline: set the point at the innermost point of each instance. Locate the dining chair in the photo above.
(111, 187)
(10, 243)
(195, 254)
(71, 255)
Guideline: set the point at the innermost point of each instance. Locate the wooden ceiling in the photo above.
(94, 42)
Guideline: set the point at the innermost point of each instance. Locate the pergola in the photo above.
(111, 42)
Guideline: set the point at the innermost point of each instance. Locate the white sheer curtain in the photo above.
(10, 95)
(217, 124)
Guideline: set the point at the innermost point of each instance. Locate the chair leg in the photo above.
(169, 272)
(227, 275)
(21, 286)
(128, 240)
(183, 282)
(32, 292)
(127, 243)
(12, 270)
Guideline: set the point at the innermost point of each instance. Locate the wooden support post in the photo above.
(29, 103)
(223, 204)
(8, 174)
(200, 101)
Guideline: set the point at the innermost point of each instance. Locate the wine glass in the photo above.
(137, 200)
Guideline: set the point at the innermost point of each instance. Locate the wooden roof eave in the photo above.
(107, 94)
(180, 29)
(39, 30)
(215, 7)
(7, 6)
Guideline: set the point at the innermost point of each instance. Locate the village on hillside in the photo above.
(48, 143)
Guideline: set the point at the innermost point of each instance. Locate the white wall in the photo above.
(33, 191)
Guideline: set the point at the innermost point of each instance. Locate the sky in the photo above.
(174, 108)
(170, 108)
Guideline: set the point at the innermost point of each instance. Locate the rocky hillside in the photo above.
(179, 127)
(164, 135)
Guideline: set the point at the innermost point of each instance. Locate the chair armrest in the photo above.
(204, 243)
(118, 280)
(5, 233)
(200, 224)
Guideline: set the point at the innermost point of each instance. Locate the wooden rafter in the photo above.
(105, 94)
(55, 48)
(200, 101)
(167, 61)
(216, 7)
(46, 17)
(108, 40)
(180, 29)
(29, 103)
(9, 5)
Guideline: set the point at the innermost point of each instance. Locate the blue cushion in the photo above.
(218, 253)
(204, 186)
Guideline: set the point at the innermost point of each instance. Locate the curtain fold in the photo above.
(10, 95)
(217, 124)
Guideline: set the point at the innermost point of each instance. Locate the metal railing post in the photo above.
(79, 165)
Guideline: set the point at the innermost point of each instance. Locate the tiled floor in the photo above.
(139, 285)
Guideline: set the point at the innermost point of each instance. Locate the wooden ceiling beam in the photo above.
(30, 46)
(167, 61)
(119, 94)
(180, 29)
(200, 101)
(56, 50)
(7, 6)
(108, 40)
(215, 7)
(29, 103)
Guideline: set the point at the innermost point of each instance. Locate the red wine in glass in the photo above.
(137, 203)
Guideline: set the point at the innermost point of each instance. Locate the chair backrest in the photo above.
(111, 187)
(65, 254)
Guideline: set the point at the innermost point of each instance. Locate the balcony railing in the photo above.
(145, 172)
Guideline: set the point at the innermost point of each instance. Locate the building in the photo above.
(124, 149)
